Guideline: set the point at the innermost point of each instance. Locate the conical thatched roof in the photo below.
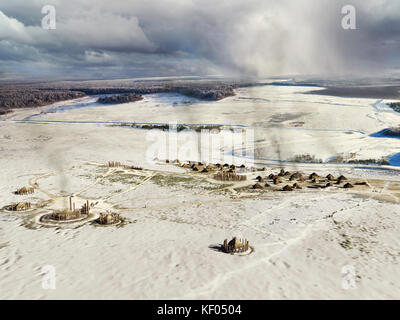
(341, 179)
(330, 177)
(287, 188)
(258, 186)
(313, 176)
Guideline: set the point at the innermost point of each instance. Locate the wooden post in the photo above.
(70, 203)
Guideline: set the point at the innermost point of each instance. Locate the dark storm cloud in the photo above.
(180, 37)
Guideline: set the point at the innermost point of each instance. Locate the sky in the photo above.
(99, 39)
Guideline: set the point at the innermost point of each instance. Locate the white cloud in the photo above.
(12, 29)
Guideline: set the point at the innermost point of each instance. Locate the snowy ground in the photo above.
(304, 241)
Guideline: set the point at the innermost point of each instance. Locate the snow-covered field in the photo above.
(305, 242)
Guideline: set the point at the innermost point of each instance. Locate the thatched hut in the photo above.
(20, 206)
(296, 175)
(341, 179)
(330, 177)
(205, 170)
(313, 176)
(108, 218)
(260, 179)
(236, 245)
(277, 180)
(348, 186)
(210, 167)
(281, 173)
(25, 191)
(297, 186)
(257, 186)
(195, 168)
(271, 176)
(287, 188)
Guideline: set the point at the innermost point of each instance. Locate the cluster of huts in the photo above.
(109, 218)
(225, 172)
(236, 245)
(297, 178)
